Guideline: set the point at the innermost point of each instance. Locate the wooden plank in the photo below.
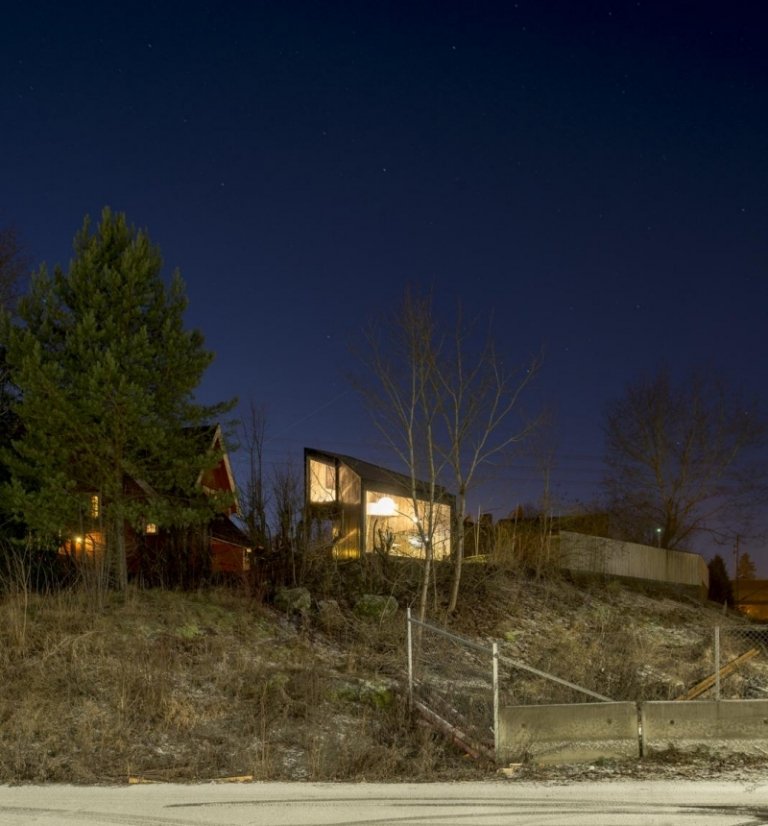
(725, 671)
(456, 735)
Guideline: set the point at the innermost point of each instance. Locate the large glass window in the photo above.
(442, 537)
(322, 481)
(347, 545)
(349, 486)
(392, 525)
(348, 542)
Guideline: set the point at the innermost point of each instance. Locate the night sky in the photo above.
(594, 173)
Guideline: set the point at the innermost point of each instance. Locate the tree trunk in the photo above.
(121, 560)
(115, 565)
(458, 555)
(425, 583)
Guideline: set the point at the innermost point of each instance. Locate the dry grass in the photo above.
(624, 643)
(178, 686)
(188, 686)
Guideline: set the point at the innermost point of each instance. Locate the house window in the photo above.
(391, 523)
(151, 528)
(87, 545)
(95, 508)
(322, 481)
(349, 486)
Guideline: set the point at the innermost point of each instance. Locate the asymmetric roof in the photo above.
(380, 476)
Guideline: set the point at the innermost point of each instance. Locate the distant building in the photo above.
(166, 553)
(750, 596)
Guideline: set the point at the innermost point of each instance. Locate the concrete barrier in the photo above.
(579, 732)
(734, 726)
(583, 732)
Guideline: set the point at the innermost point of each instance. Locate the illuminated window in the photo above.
(389, 515)
(151, 528)
(95, 506)
(322, 481)
(349, 486)
(83, 545)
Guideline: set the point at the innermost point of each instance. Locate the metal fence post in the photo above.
(410, 657)
(717, 662)
(496, 700)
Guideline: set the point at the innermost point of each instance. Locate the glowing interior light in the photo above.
(384, 507)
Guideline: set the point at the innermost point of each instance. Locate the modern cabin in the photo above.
(355, 507)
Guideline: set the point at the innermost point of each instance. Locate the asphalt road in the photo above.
(608, 803)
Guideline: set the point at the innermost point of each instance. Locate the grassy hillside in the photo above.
(188, 686)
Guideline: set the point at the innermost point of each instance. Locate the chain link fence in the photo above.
(740, 659)
(460, 684)
(643, 663)
(453, 682)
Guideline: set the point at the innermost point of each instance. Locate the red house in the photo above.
(165, 554)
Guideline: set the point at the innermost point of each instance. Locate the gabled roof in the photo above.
(215, 479)
(219, 477)
(378, 475)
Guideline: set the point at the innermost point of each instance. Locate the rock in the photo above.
(293, 600)
(376, 693)
(375, 606)
(330, 616)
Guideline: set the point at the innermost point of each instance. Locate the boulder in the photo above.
(293, 600)
(374, 606)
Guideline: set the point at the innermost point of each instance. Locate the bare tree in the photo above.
(287, 502)
(404, 405)
(682, 457)
(254, 498)
(446, 406)
(479, 402)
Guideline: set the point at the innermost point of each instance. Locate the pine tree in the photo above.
(746, 567)
(107, 374)
(720, 589)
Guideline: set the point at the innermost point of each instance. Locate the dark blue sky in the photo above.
(595, 173)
